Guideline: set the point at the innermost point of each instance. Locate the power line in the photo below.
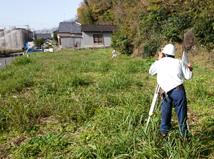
(15, 25)
(20, 20)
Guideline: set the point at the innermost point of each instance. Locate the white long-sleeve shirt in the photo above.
(170, 72)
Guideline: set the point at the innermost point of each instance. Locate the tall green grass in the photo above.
(84, 104)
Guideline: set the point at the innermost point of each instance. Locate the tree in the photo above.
(140, 22)
(84, 13)
(38, 42)
(55, 37)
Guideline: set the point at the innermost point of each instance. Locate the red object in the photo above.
(160, 91)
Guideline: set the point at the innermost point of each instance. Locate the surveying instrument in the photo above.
(186, 61)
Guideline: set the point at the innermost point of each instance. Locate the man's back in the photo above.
(170, 72)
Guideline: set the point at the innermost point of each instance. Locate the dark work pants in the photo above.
(178, 97)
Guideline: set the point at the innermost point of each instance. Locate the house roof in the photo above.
(44, 36)
(69, 27)
(30, 31)
(98, 28)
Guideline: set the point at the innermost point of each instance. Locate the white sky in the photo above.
(38, 14)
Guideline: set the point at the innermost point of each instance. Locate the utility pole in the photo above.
(5, 39)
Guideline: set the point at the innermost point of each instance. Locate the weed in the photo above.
(40, 145)
(22, 61)
(84, 104)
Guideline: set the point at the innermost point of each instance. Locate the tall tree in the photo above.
(85, 13)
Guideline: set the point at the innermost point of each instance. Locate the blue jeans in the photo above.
(178, 97)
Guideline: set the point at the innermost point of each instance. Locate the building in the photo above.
(14, 39)
(45, 36)
(73, 34)
(97, 35)
(69, 35)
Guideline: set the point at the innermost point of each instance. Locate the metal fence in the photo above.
(71, 42)
(4, 62)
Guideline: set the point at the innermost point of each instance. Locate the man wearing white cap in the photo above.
(114, 54)
(170, 73)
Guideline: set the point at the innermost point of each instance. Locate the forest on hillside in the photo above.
(146, 24)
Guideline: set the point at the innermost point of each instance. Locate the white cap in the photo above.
(169, 49)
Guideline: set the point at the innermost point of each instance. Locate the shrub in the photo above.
(122, 43)
(204, 31)
(176, 26)
(151, 46)
(55, 37)
(38, 42)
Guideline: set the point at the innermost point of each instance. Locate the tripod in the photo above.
(153, 107)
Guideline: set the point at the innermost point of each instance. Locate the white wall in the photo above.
(89, 41)
(12, 40)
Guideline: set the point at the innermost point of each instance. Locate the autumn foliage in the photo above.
(145, 22)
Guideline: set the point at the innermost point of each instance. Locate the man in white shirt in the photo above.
(114, 54)
(170, 73)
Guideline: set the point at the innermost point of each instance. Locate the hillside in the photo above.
(84, 104)
(146, 25)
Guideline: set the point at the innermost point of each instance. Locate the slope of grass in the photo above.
(84, 104)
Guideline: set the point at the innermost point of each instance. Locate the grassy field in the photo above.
(84, 104)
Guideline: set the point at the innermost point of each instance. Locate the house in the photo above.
(97, 35)
(73, 34)
(45, 36)
(69, 34)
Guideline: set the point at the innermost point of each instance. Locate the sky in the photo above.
(38, 14)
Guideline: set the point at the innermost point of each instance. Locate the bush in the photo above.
(38, 42)
(55, 37)
(121, 42)
(204, 32)
(176, 26)
(151, 46)
(171, 26)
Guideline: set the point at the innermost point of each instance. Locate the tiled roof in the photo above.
(98, 28)
(69, 27)
(55, 31)
(44, 36)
